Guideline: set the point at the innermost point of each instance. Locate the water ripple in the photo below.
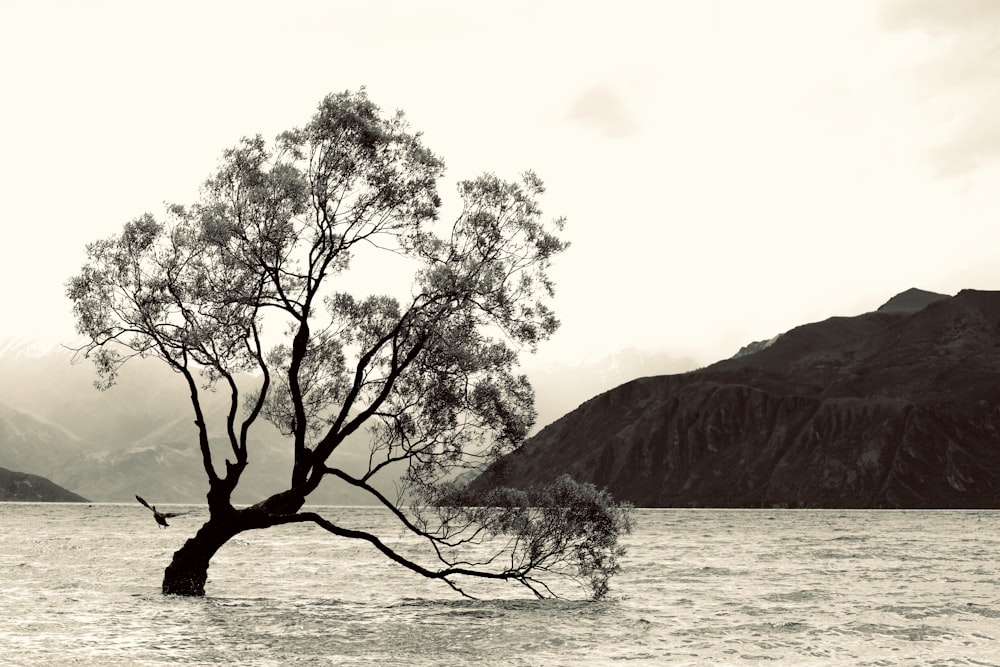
(739, 587)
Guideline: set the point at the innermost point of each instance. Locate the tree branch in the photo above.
(443, 574)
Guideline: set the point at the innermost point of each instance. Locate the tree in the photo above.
(238, 293)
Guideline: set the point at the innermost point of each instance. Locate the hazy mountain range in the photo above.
(895, 408)
(139, 436)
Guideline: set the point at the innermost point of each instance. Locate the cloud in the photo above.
(602, 108)
(960, 80)
(934, 14)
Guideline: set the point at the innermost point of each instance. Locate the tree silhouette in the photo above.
(238, 293)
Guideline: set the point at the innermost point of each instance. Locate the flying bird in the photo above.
(161, 517)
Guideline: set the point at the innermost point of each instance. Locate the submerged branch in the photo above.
(443, 574)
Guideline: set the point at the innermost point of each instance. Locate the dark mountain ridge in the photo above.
(899, 407)
(24, 487)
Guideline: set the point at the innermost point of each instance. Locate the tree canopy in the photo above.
(242, 292)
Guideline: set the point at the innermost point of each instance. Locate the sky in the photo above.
(728, 169)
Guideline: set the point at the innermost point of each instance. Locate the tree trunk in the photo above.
(188, 571)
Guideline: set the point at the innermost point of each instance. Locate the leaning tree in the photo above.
(243, 293)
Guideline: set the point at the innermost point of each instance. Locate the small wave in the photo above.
(917, 613)
(979, 610)
(465, 605)
(907, 633)
(805, 595)
(838, 554)
(849, 538)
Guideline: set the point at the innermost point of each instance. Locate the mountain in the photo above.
(31, 442)
(560, 388)
(910, 301)
(138, 436)
(52, 385)
(895, 408)
(23, 487)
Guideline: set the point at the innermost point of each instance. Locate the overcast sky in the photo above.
(728, 169)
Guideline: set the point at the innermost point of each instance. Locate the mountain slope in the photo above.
(895, 408)
(24, 487)
(32, 443)
(141, 439)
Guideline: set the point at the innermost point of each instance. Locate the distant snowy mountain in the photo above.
(23, 348)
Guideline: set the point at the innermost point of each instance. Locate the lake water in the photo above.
(79, 585)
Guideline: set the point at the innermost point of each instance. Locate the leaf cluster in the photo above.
(567, 528)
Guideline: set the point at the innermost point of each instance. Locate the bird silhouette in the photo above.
(161, 517)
